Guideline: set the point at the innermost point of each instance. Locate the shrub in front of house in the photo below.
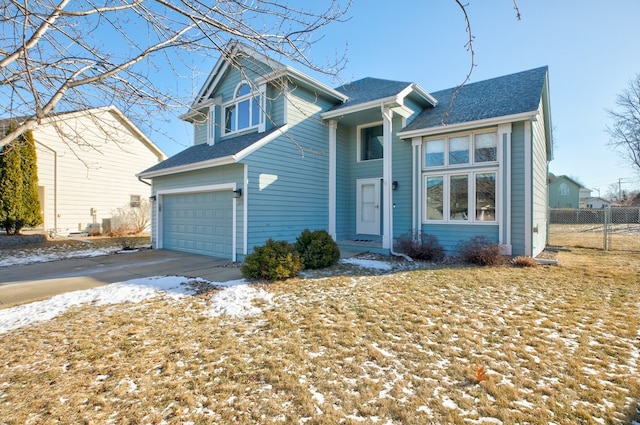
(275, 260)
(481, 251)
(317, 249)
(420, 246)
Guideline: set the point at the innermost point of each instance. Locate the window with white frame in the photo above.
(467, 149)
(460, 178)
(244, 111)
(370, 142)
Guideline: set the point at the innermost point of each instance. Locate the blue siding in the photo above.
(275, 107)
(345, 202)
(403, 174)
(450, 236)
(518, 189)
(288, 178)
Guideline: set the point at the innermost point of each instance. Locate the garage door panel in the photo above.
(200, 223)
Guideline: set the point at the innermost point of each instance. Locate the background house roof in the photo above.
(502, 96)
(51, 119)
(204, 152)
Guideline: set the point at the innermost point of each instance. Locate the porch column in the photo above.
(416, 192)
(333, 127)
(387, 175)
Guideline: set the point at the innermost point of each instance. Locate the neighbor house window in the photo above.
(460, 175)
(371, 142)
(134, 201)
(244, 111)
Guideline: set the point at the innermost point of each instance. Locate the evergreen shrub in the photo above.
(275, 260)
(317, 249)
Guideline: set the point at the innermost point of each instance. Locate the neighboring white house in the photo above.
(595, 202)
(87, 161)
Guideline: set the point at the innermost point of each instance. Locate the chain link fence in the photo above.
(614, 228)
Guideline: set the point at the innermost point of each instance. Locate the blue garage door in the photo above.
(200, 223)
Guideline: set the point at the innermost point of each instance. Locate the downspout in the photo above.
(55, 186)
(142, 181)
(387, 125)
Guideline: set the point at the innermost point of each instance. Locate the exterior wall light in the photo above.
(394, 185)
(237, 193)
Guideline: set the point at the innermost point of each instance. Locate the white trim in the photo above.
(303, 78)
(262, 126)
(471, 149)
(189, 167)
(416, 192)
(466, 126)
(392, 100)
(193, 114)
(195, 189)
(359, 141)
(471, 197)
(245, 212)
(387, 173)
(226, 160)
(528, 189)
(235, 102)
(333, 127)
(211, 125)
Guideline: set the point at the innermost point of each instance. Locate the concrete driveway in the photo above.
(26, 283)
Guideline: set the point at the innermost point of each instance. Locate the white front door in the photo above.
(368, 207)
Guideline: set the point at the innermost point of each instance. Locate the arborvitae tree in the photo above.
(19, 202)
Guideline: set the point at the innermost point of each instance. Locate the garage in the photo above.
(200, 223)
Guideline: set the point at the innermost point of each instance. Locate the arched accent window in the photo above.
(244, 110)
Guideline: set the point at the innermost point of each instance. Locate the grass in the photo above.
(555, 344)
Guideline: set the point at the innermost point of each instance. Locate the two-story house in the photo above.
(276, 152)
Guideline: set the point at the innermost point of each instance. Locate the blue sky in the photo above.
(590, 46)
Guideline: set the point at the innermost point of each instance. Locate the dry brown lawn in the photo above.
(559, 344)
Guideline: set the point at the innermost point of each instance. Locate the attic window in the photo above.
(244, 111)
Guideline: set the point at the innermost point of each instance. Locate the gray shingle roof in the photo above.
(205, 152)
(508, 95)
(368, 89)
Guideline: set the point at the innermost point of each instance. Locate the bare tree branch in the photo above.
(72, 55)
(625, 130)
(469, 47)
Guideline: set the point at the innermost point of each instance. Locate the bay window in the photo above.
(460, 178)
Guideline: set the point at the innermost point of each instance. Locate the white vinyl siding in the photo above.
(94, 168)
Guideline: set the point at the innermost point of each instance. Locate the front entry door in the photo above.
(368, 207)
